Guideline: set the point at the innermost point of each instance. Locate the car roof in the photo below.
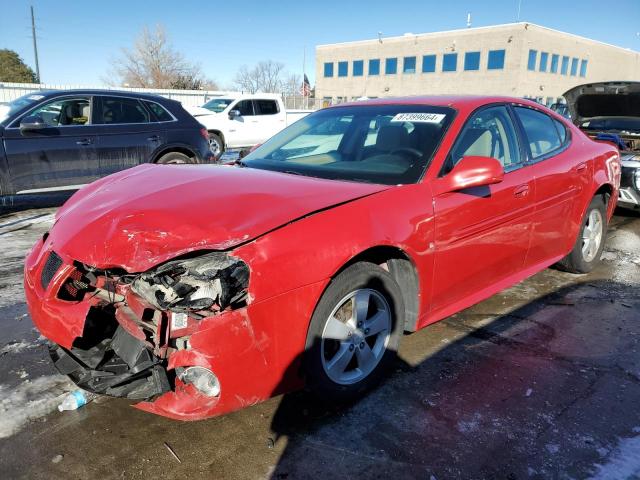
(96, 91)
(466, 102)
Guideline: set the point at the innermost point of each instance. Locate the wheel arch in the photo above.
(403, 270)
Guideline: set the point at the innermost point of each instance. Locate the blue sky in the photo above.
(78, 38)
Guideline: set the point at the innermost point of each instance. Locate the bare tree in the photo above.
(153, 63)
(264, 77)
(292, 85)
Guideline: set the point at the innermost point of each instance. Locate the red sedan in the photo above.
(201, 290)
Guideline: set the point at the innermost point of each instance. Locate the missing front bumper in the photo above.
(120, 366)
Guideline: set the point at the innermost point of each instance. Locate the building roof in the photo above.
(475, 30)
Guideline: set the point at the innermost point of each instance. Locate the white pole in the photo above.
(519, 7)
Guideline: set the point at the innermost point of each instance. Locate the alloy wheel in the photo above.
(592, 235)
(355, 336)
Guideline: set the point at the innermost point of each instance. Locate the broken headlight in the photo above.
(213, 281)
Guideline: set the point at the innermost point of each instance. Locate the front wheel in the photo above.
(216, 145)
(590, 242)
(354, 333)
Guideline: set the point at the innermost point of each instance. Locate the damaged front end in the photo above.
(136, 322)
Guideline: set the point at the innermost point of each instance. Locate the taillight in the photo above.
(204, 133)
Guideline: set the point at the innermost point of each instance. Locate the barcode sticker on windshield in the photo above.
(419, 117)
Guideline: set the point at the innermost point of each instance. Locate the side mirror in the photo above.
(32, 122)
(472, 172)
(234, 114)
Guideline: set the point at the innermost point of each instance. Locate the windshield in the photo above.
(18, 104)
(217, 105)
(387, 144)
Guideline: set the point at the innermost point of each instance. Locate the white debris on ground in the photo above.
(30, 400)
(623, 463)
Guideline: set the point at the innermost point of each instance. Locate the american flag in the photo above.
(306, 87)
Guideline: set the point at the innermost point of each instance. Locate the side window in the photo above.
(117, 110)
(488, 133)
(159, 111)
(542, 135)
(266, 107)
(245, 107)
(562, 131)
(70, 111)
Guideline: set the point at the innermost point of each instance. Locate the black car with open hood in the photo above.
(611, 111)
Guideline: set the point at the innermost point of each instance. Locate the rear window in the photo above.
(117, 110)
(159, 112)
(266, 107)
(542, 135)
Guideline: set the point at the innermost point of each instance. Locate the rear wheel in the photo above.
(175, 158)
(590, 242)
(354, 333)
(216, 145)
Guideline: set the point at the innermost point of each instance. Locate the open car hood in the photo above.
(603, 99)
(146, 215)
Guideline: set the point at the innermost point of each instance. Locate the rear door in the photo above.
(482, 234)
(128, 136)
(60, 156)
(559, 180)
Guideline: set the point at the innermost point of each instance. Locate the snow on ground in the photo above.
(30, 400)
(623, 463)
(18, 232)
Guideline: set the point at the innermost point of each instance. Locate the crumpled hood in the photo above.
(143, 216)
(603, 99)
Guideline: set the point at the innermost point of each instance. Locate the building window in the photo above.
(554, 63)
(328, 69)
(428, 63)
(574, 67)
(374, 67)
(531, 64)
(343, 69)
(409, 65)
(391, 66)
(472, 61)
(583, 68)
(449, 62)
(544, 59)
(496, 60)
(358, 68)
(565, 66)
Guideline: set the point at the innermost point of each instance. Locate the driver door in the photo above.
(482, 234)
(61, 155)
(241, 130)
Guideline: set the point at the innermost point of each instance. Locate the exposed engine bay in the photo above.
(136, 321)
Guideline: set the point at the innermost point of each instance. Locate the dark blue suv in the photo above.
(54, 142)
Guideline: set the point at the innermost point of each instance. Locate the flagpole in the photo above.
(304, 72)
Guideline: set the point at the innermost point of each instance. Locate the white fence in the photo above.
(191, 98)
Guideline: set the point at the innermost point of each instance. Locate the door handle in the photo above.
(84, 141)
(154, 138)
(581, 166)
(521, 190)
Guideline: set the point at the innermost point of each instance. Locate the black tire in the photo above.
(216, 145)
(175, 158)
(379, 284)
(578, 261)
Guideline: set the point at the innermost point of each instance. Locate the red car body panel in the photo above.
(300, 232)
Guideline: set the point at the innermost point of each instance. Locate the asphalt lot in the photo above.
(540, 381)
